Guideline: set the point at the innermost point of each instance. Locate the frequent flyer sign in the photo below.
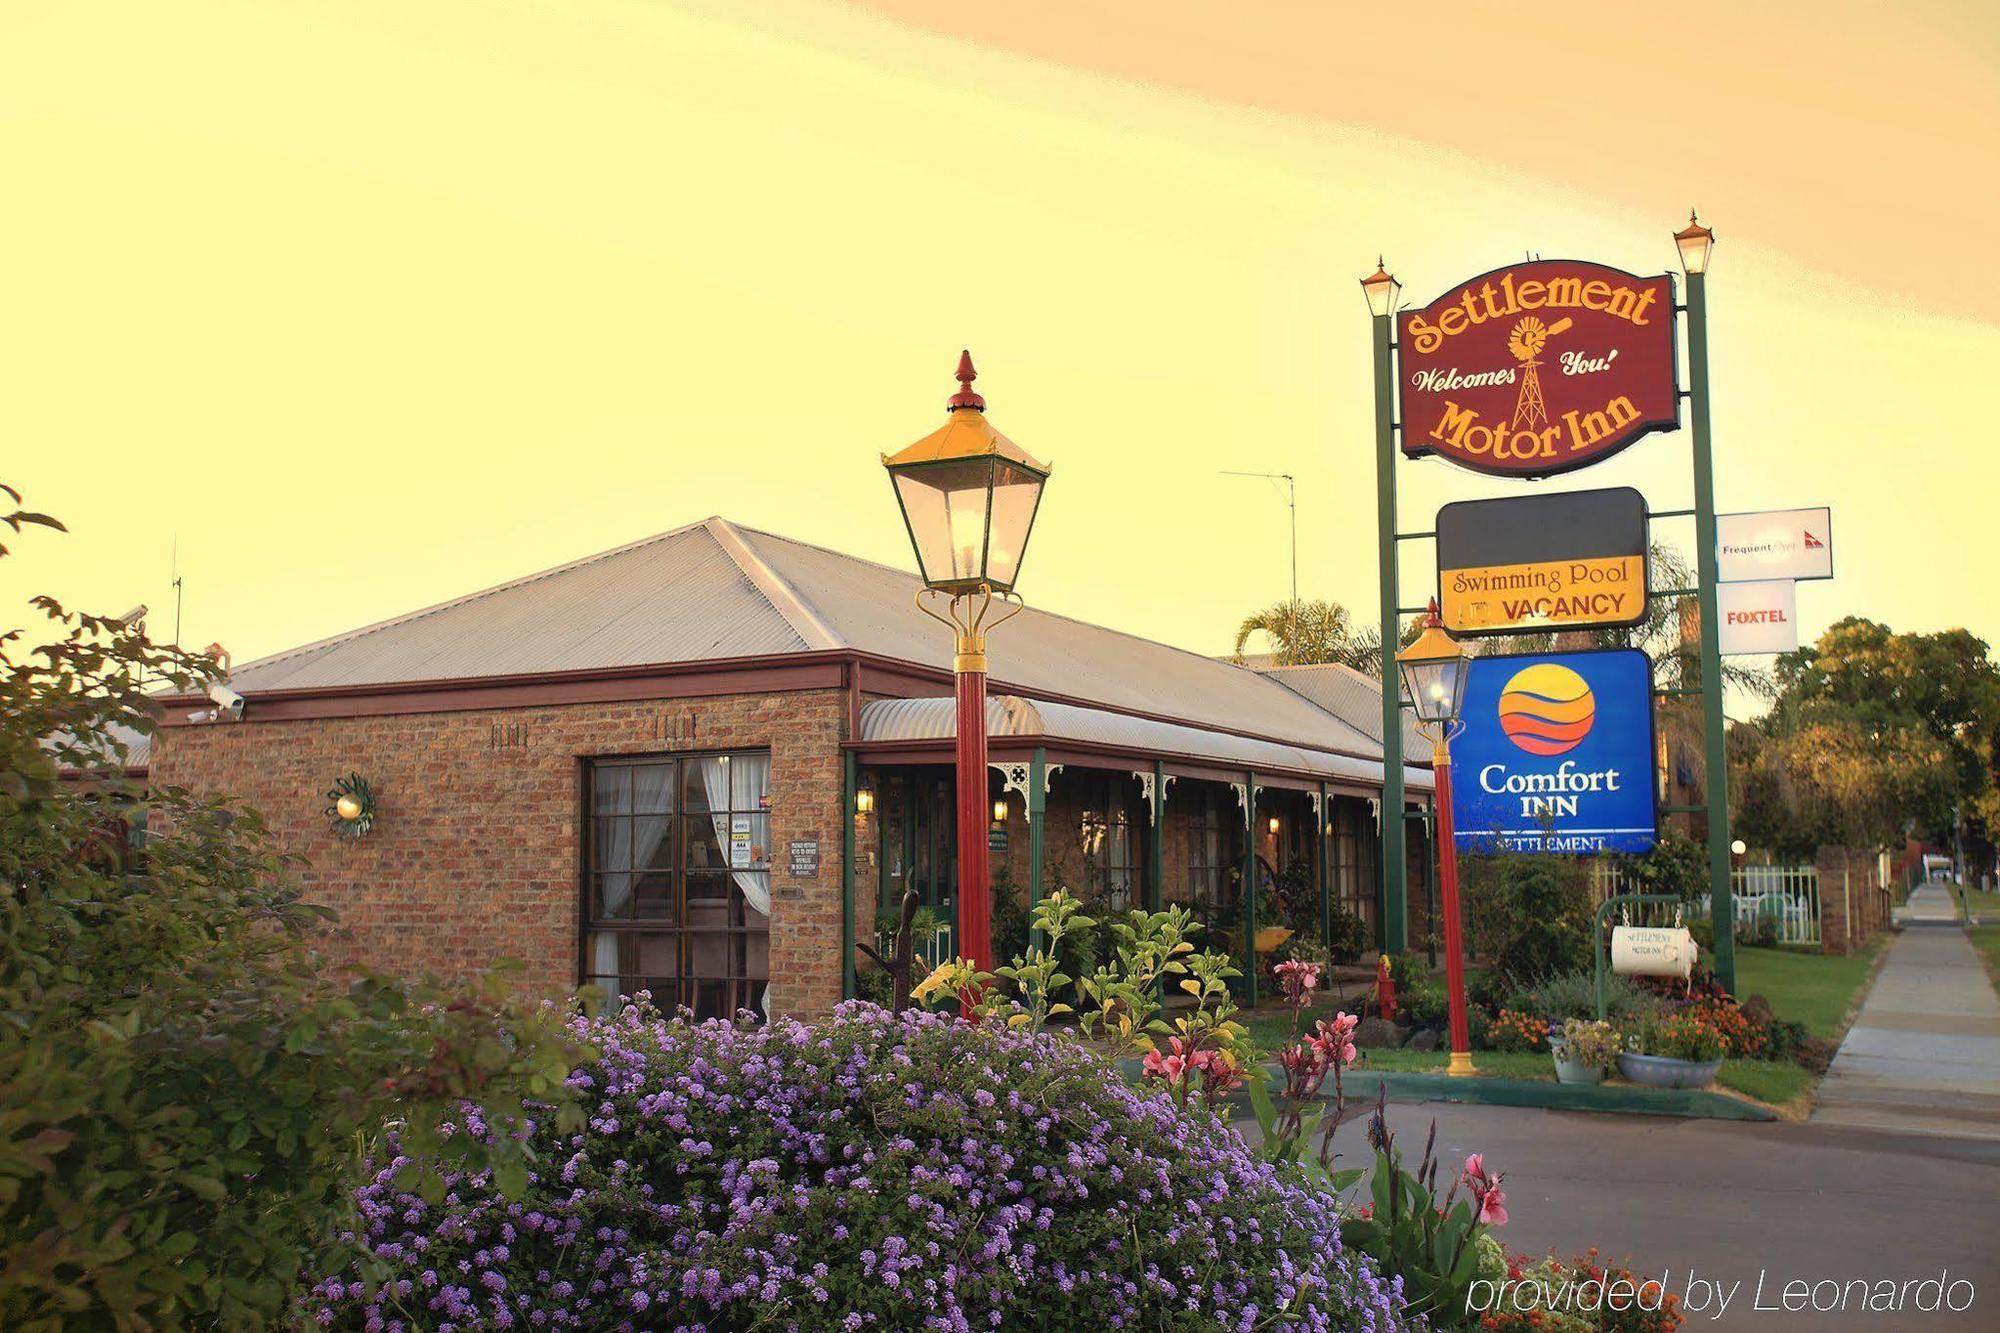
(1538, 368)
(1574, 560)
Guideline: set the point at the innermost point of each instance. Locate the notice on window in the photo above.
(740, 857)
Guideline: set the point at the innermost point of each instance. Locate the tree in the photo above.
(1303, 632)
(1311, 632)
(185, 1087)
(1873, 734)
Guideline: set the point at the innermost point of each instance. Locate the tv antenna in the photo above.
(1292, 504)
(176, 567)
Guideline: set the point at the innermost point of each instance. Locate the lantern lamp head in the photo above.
(1695, 242)
(1000, 811)
(1273, 824)
(1434, 670)
(968, 496)
(864, 801)
(1381, 289)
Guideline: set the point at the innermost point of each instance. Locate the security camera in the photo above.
(228, 703)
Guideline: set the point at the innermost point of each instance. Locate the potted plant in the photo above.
(1682, 1050)
(1585, 1050)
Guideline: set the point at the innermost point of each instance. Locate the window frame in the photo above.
(738, 935)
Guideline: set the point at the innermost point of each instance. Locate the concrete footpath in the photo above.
(1923, 1057)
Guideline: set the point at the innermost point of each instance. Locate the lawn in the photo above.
(1819, 990)
(1985, 907)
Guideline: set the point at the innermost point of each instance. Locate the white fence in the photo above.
(1785, 896)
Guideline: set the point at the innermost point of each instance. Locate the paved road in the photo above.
(1712, 1199)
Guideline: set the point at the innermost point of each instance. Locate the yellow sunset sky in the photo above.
(369, 304)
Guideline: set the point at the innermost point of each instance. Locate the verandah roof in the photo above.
(888, 721)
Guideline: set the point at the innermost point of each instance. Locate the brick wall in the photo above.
(474, 854)
(1852, 909)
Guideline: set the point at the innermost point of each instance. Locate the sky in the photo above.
(361, 307)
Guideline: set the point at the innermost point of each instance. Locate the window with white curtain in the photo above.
(677, 879)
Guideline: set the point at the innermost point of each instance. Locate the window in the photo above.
(1209, 858)
(1110, 868)
(1354, 857)
(677, 880)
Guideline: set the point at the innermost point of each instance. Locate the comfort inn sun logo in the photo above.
(1547, 709)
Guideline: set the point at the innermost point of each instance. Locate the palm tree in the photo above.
(1301, 632)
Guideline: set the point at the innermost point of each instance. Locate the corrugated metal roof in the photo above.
(871, 606)
(677, 597)
(1349, 694)
(138, 750)
(714, 589)
(891, 720)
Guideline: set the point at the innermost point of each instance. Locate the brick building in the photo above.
(704, 762)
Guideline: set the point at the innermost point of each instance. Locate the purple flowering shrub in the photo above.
(874, 1171)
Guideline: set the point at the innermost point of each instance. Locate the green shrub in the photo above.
(1574, 995)
(182, 1087)
(1529, 915)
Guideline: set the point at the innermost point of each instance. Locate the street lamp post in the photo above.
(1382, 289)
(1434, 668)
(968, 496)
(1696, 242)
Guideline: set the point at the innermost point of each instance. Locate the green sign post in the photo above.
(1381, 290)
(1694, 245)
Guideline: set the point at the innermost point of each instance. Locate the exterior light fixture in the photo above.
(1738, 847)
(1695, 242)
(1434, 670)
(864, 801)
(1000, 811)
(1274, 826)
(351, 808)
(969, 495)
(1381, 290)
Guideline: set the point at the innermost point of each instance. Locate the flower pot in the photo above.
(1570, 1071)
(1658, 1071)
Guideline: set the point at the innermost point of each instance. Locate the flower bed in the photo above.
(873, 1171)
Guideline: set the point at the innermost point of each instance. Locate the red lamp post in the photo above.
(969, 496)
(1434, 670)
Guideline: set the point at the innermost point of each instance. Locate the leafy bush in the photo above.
(1689, 1035)
(1587, 1041)
(1430, 1242)
(1581, 1296)
(181, 1084)
(896, 1170)
(1512, 1030)
(1346, 935)
(1529, 915)
(1574, 995)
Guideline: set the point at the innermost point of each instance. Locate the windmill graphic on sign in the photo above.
(1526, 342)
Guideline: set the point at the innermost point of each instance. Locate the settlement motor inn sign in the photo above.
(1538, 368)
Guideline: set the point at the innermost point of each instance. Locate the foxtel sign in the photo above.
(1538, 368)
(1556, 754)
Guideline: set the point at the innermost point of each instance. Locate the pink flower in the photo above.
(1298, 979)
(1486, 1191)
